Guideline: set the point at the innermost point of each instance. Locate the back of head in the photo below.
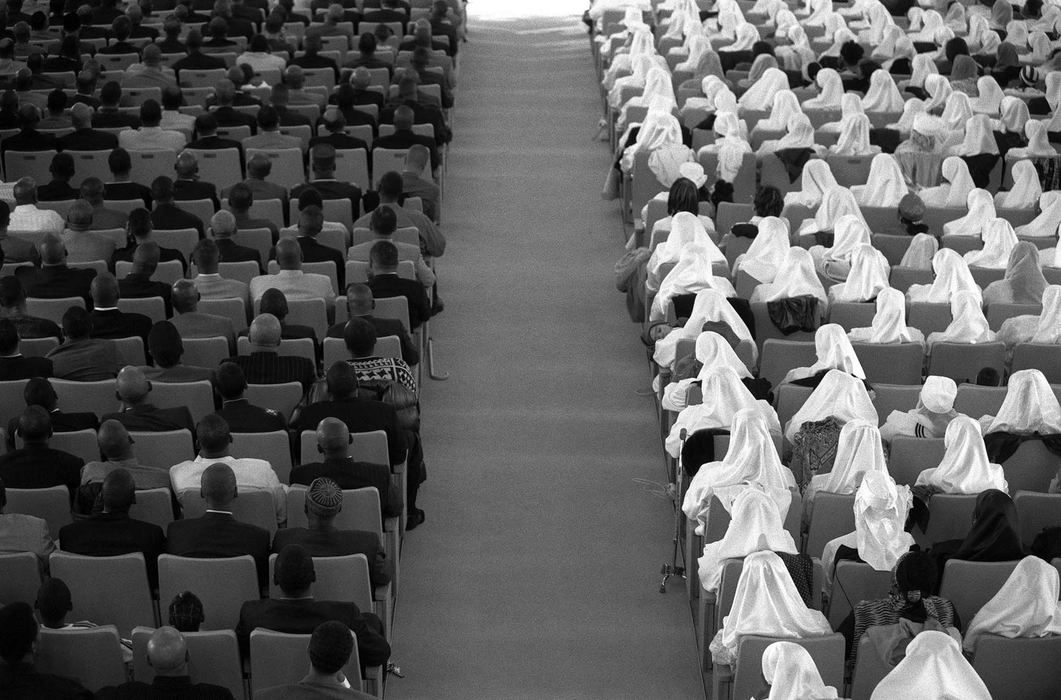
(114, 441)
(186, 612)
(231, 382)
(162, 189)
(139, 223)
(172, 97)
(265, 331)
(360, 337)
(76, 323)
(206, 256)
(383, 257)
(294, 571)
(324, 498)
(111, 93)
(39, 392)
(92, 191)
(359, 299)
(390, 186)
(79, 217)
(218, 485)
(310, 221)
(417, 158)
(132, 386)
(54, 602)
(259, 166)
(18, 632)
(184, 294)
(146, 257)
(119, 491)
(268, 118)
(167, 651)
(35, 425)
(213, 434)
(120, 162)
(187, 165)
(104, 289)
(51, 250)
(333, 437)
(152, 55)
(62, 166)
(165, 345)
(223, 223)
(341, 380)
(288, 254)
(294, 77)
(383, 222)
(330, 647)
(206, 124)
(25, 191)
(274, 302)
(404, 118)
(323, 158)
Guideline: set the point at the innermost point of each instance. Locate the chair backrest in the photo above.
(344, 578)
(96, 579)
(152, 307)
(52, 309)
(961, 362)
(51, 504)
(385, 160)
(1036, 511)
(361, 509)
(902, 278)
(204, 352)
(1019, 667)
(848, 314)
(254, 507)
(11, 402)
(233, 309)
(780, 356)
(1031, 467)
(898, 363)
(288, 169)
(280, 397)
(182, 239)
(827, 652)
(849, 170)
(928, 317)
(37, 347)
(213, 657)
(279, 659)
(997, 313)
(912, 455)
(1045, 358)
(977, 401)
(93, 656)
(870, 669)
(274, 447)
(81, 443)
(175, 444)
(950, 517)
(854, 582)
(35, 164)
(91, 164)
(94, 397)
(970, 584)
(222, 584)
(218, 166)
(130, 350)
(351, 165)
(20, 576)
(153, 506)
(289, 347)
(197, 396)
(368, 446)
(833, 516)
(790, 398)
(148, 165)
(766, 330)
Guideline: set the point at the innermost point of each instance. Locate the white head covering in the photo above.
(841, 36)
(952, 276)
(686, 228)
(919, 255)
(836, 202)
(767, 251)
(955, 194)
(911, 109)
(989, 100)
(1025, 606)
(955, 18)
(889, 322)
(819, 10)
(931, 21)
(792, 674)
(1046, 223)
(939, 90)
(922, 66)
(712, 351)
(933, 668)
(858, 451)
(698, 44)
(690, 274)
(711, 306)
(849, 232)
(756, 527)
(746, 37)
(785, 105)
(885, 185)
(760, 96)
(800, 279)
(958, 111)
(835, 352)
(1040, 45)
(978, 136)
(831, 88)
(800, 133)
(981, 210)
(1038, 140)
(883, 95)
(1048, 330)
(867, 277)
(1029, 407)
(964, 467)
(854, 136)
(886, 48)
(660, 128)
(767, 603)
(968, 324)
(880, 514)
(1014, 115)
(850, 104)
(1026, 188)
(816, 179)
(724, 395)
(838, 394)
(979, 28)
(999, 241)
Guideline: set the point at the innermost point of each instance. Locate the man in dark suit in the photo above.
(322, 161)
(137, 414)
(420, 62)
(107, 321)
(310, 223)
(222, 229)
(217, 533)
(85, 138)
(167, 655)
(167, 216)
(138, 283)
(167, 348)
(92, 189)
(324, 501)
(296, 612)
(225, 113)
(121, 185)
(360, 81)
(385, 282)
(241, 415)
(240, 199)
(265, 365)
(13, 365)
(403, 136)
(54, 279)
(113, 532)
(206, 128)
(196, 59)
(39, 392)
(37, 466)
(330, 647)
(426, 110)
(278, 98)
(188, 186)
(139, 230)
(13, 308)
(421, 35)
(335, 122)
(311, 57)
(440, 26)
(108, 116)
(86, 90)
(192, 323)
(28, 139)
(274, 302)
(19, 630)
(80, 357)
(388, 12)
(359, 304)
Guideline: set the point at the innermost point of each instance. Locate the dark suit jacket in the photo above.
(315, 61)
(168, 217)
(110, 534)
(244, 417)
(57, 190)
(271, 368)
(147, 417)
(385, 286)
(111, 118)
(116, 324)
(19, 367)
(38, 467)
(312, 251)
(233, 252)
(406, 139)
(168, 687)
(340, 142)
(56, 282)
(385, 327)
(88, 140)
(360, 416)
(197, 60)
(28, 140)
(338, 543)
(61, 423)
(22, 682)
(333, 189)
(137, 285)
(368, 97)
(350, 474)
(220, 535)
(128, 190)
(164, 255)
(227, 116)
(184, 190)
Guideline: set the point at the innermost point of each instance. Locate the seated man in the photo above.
(208, 281)
(112, 531)
(117, 448)
(13, 365)
(383, 222)
(330, 647)
(80, 357)
(59, 189)
(139, 231)
(24, 533)
(192, 323)
(241, 415)
(167, 655)
(322, 161)
(335, 124)
(269, 135)
(310, 224)
(81, 243)
(385, 282)
(167, 216)
(18, 678)
(324, 501)
(359, 304)
(35, 465)
(39, 392)
(137, 414)
(55, 279)
(216, 533)
(138, 283)
(291, 280)
(151, 136)
(333, 442)
(415, 185)
(26, 217)
(13, 308)
(223, 227)
(240, 199)
(121, 186)
(149, 73)
(28, 138)
(432, 242)
(107, 320)
(265, 365)
(103, 219)
(14, 249)
(259, 167)
(274, 302)
(296, 611)
(295, 79)
(165, 345)
(206, 127)
(85, 138)
(188, 186)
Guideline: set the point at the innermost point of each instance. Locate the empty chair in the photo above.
(1045, 358)
(780, 356)
(833, 517)
(222, 584)
(204, 352)
(970, 584)
(153, 506)
(910, 456)
(20, 576)
(51, 504)
(1031, 467)
(92, 656)
(893, 363)
(197, 396)
(233, 309)
(52, 309)
(1035, 512)
(1024, 668)
(961, 362)
(95, 580)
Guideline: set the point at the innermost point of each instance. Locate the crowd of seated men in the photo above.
(85, 92)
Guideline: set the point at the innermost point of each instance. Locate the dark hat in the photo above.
(911, 207)
(324, 497)
(330, 646)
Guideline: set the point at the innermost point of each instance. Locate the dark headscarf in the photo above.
(993, 536)
(964, 68)
(1006, 56)
(913, 580)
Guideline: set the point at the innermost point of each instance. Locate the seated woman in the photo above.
(964, 74)
(783, 106)
(978, 149)
(932, 415)
(999, 242)
(709, 307)
(921, 67)
(815, 181)
(1046, 223)
(1025, 191)
(760, 96)
(836, 201)
(711, 351)
(768, 202)
(919, 255)
(968, 324)
(800, 280)
(883, 95)
(799, 137)
(981, 209)
(830, 91)
(1030, 410)
(914, 582)
(767, 251)
(867, 278)
(850, 105)
(1044, 329)
(685, 194)
(693, 271)
(834, 352)
(658, 93)
(858, 451)
(756, 525)
(791, 673)
(1025, 607)
(839, 398)
(889, 322)
(994, 535)
(833, 262)
(660, 137)
(1024, 282)
(751, 459)
(1009, 132)
(685, 230)
(955, 191)
(952, 276)
(854, 137)
(766, 603)
(885, 186)
(1038, 142)
(988, 100)
(964, 468)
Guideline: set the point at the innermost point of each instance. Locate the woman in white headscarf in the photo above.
(785, 105)
(1042, 329)
(1026, 188)
(658, 94)
(685, 229)
(711, 350)
(1038, 142)
(850, 105)
(834, 263)
(952, 276)
(836, 202)
(709, 306)
(792, 674)
(1046, 223)
(1025, 607)
(930, 418)
(965, 468)
(981, 210)
(968, 324)
(1040, 46)
(724, 395)
(746, 36)
(933, 668)
(978, 138)
(819, 11)
(911, 109)
(922, 66)
(765, 603)
(756, 526)
(920, 253)
(816, 179)
(696, 45)
(800, 134)
(882, 95)
(692, 273)
(889, 322)
(839, 395)
(999, 242)
(834, 352)
(639, 66)
(799, 280)
(867, 278)
(660, 137)
(939, 91)
(989, 99)
(859, 450)
(1030, 407)
(931, 21)
(955, 191)
(956, 114)
(854, 137)
(1013, 117)
(767, 251)
(886, 48)
(830, 90)
(762, 63)
(884, 186)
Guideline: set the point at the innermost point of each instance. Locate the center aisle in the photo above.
(536, 572)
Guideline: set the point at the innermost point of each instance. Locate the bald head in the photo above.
(218, 486)
(289, 254)
(104, 290)
(259, 166)
(265, 331)
(167, 652)
(333, 437)
(223, 224)
(361, 78)
(185, 296)
(114, 441)
(51, 250)
(187, 166)
(81, 116)
(417, 158)
(132, 385)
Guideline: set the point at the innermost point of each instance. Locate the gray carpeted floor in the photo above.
(536, 572)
